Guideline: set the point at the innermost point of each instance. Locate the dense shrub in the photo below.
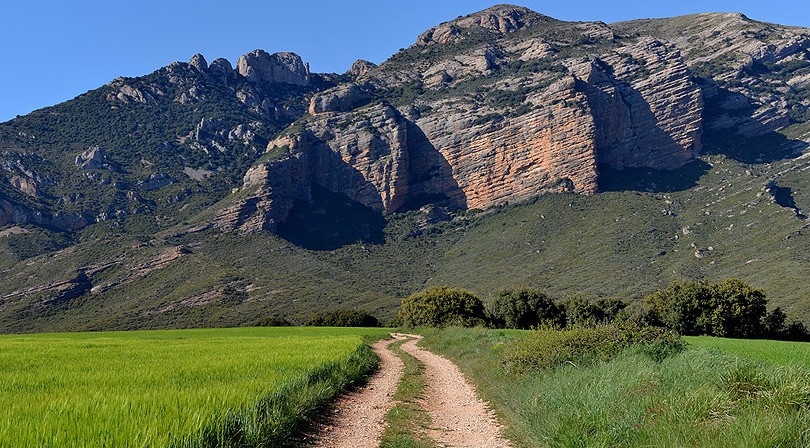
(343, 318)
(774, 323)
(524, 308)
(274, 320)
(681, 306)
(577, 345)
(581, 311)
(440, 306)
(730, 308)
(737, 309)
(611, 309)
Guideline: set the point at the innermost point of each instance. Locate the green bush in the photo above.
(578, 345)
(440, 306)
(737, 309)
(274, 320)
(343, 318)
(524, 309)
(730, 308)
(580, 311)
(682, 307)
(610, 308)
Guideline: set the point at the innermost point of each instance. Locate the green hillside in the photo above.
(616, 244)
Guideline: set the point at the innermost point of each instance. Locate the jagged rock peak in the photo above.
(221, 68)
(500, 19)
(198, 62)
(287, 68)
(360, 67)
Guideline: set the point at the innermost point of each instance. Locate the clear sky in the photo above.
(53, 50)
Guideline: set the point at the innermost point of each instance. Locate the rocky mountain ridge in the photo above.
(333, 170)
(491, 108)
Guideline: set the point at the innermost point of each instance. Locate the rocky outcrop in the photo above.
(751, 69)
(25, 185)
(11, 213)
(647, 109)
(156, 181)
(268, 194)
(520, 134)
(287, 68)
(499, 19)
(343, 98)
(199, 63)
(95, 158)
(360, 67)
(222, 70)
(380, 158)
(550, 148)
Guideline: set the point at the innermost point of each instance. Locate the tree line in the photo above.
(730, 308)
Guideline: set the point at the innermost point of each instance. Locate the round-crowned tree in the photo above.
(525, 308)
(440, 306)
(738, 309)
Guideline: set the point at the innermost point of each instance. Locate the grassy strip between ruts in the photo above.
(407, 416)
(695, 398)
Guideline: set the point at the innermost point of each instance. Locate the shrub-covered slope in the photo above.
(150, 201)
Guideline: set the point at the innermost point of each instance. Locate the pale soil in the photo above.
(459, 418)
(359, 417)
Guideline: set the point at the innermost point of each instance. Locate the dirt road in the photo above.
(459, 419)
(359, 418)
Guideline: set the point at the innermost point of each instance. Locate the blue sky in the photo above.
(53, 50)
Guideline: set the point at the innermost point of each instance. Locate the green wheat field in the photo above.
(153, 388)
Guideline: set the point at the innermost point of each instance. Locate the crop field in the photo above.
(165, 388)
(771, 352)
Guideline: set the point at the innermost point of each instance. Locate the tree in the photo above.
(580, 311)
(610, 308)
(525, 308)
(796, 331)
(738, 309)
(442, 305)
(730, 308)
(343, 318)
(682, 306)
(774, 323)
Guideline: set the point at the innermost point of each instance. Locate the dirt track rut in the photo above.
(459, 419)
(359, 418)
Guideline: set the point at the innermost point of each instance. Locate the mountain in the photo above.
(502, 148)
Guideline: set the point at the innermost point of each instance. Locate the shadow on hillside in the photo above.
(331, 221)
(766, 147)
(430, 176)
(649, 180)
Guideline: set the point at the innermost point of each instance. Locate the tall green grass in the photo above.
(233, 387)
(694, 398)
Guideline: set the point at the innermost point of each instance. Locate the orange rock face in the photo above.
(478, 129)
(550, 148)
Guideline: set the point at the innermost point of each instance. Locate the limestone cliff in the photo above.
(495, 118)
(495, 107)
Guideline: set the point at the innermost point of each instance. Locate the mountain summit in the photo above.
(495, 108)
